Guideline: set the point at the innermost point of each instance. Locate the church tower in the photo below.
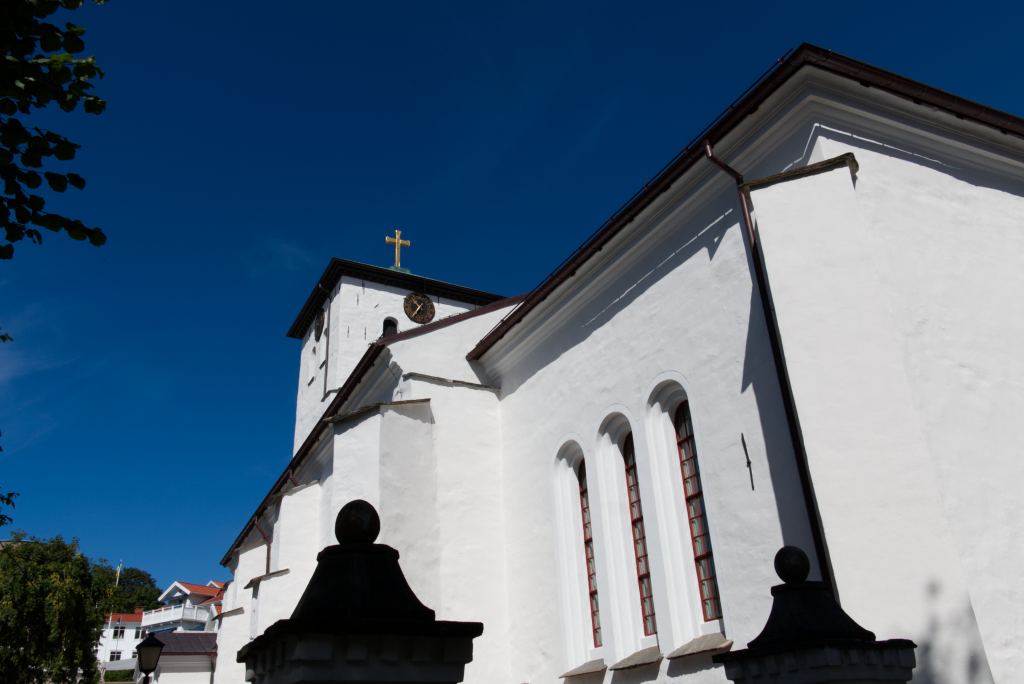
(354, 304)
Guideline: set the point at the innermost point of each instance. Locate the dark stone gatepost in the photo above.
(810, 640)
(358, 621)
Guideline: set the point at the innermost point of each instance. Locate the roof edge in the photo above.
(338, 268)
(805, 55)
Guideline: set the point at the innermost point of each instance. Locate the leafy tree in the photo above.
(6, 500)
(135, 588)
(30, 79)
(49, 621)
(118, 676)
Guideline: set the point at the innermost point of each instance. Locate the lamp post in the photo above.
(149, 655)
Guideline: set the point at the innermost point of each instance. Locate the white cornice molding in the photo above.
(810, 97)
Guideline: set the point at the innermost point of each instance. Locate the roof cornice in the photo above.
(806, 55)
(382, 276)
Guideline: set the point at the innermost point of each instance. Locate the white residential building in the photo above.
(121, 633)
(188, 608)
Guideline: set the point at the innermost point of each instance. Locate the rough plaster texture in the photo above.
(358, 311)
(907, 390)
(877, 491)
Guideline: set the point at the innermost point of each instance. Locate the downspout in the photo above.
(792, 418)
(256, 520)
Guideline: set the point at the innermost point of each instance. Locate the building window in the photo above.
(390, 327)
(135, 654)
(138, 633)
(119, 632)
(588, 550)
(705, 563)
(115, 655)
(636, 516)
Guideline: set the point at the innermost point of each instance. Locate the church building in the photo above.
(803, 331)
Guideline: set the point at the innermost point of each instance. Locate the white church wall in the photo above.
(408, 496)
(232, 635)
(237, 630)
(713, 335)
(948, 259)
(358, 310)
(356, 466)
(298, 542)
(893, 555)
(466, 434)
(437, 353)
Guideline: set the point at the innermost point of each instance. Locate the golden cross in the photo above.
(399, 243)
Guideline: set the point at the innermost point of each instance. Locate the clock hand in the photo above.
(417, 309)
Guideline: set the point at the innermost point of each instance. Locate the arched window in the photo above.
(636, 516)
(702, 557)
(588, 550)
(390, 327)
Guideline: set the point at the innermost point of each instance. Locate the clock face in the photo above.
(419, 308)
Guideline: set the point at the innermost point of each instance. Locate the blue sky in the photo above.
(147, 402)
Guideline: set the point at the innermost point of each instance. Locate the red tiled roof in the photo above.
(200, 588)
(123, 617)
(214, 599)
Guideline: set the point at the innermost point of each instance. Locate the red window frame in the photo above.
(704, 562)
(636, 519)
(588, 551)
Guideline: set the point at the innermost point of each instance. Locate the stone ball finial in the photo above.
(792, 564)
(357, 523)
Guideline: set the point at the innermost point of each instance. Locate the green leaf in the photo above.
(35, 203)
(76, 229)
(6, 251)
(38, 143)
(14, 232)
(31, 158)
(77, 30)
(58, 183)
(21, 214)
(5, 156)
(49, 38)
(94, 105)
(97, 238)
(63, 151)
(76, 181)
(72, 43)
(7, 106)
(31, 179)
(50, 222)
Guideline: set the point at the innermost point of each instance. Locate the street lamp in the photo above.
(149, 655)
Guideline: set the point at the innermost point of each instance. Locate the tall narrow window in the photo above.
(702, 557)
(588, 549)
(636, 515)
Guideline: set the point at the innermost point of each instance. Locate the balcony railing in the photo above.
(174, 614)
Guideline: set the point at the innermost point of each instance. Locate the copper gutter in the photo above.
(805, 55)
(781, 371)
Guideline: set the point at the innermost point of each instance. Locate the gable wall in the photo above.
(678, 297)
(358, 311)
